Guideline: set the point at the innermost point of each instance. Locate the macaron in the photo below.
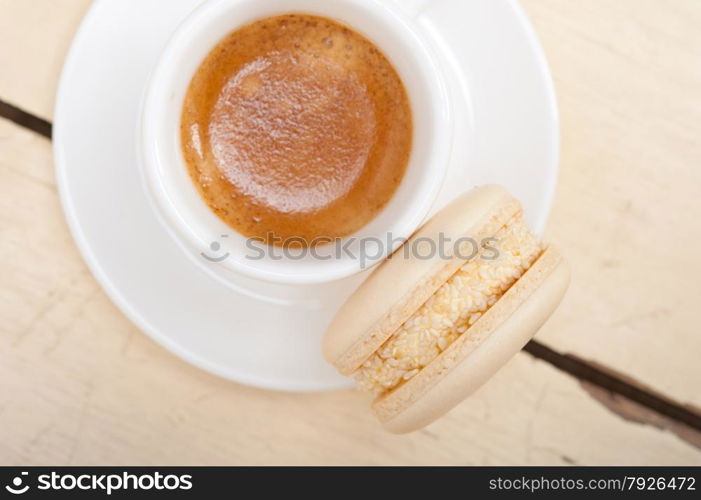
(450, 307)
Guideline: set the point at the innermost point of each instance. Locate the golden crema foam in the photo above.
(296, 126)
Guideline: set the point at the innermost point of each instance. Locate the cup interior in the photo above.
(186, 213)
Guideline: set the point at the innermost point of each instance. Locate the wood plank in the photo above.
(75, 372)
(34, 38)
(627, 75)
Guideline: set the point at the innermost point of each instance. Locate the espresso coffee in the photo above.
(296, 127)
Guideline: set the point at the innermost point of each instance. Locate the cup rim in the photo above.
(188, 237)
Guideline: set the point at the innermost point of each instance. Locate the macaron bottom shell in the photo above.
(481, 351)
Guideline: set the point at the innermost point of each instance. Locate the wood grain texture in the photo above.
(79, 384)
(34, 38)
(628, 79)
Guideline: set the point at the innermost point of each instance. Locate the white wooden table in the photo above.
(79, 384)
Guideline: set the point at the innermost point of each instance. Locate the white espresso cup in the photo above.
(391, 26)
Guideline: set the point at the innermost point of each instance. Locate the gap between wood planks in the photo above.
(623, 395)
(24, 119)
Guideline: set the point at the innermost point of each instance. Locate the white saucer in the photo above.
(269, 335)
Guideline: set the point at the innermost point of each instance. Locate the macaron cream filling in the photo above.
(452, 310)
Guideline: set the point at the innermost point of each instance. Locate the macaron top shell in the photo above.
(401, 284)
